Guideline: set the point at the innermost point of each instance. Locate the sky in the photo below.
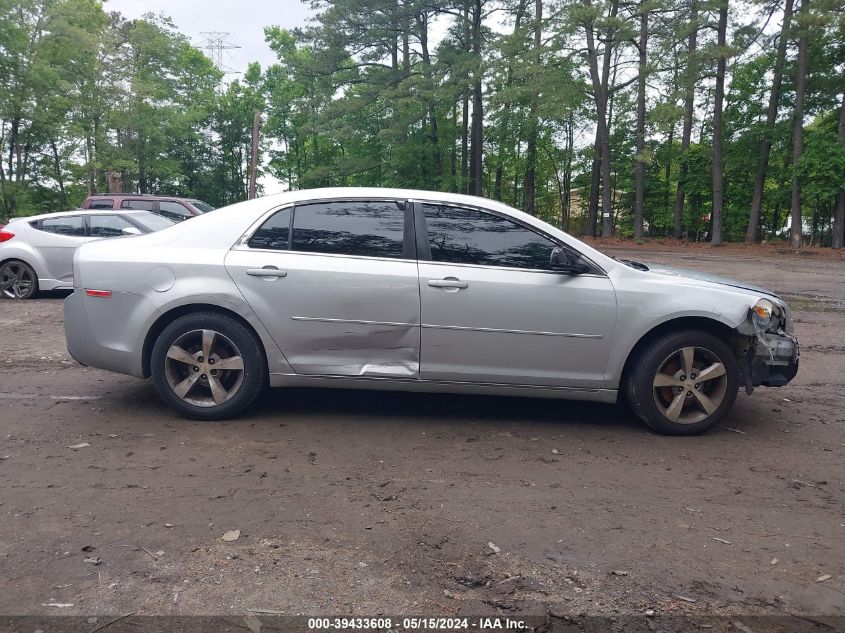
(244, 20)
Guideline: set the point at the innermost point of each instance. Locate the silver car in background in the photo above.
(36, 252)
(419, 291)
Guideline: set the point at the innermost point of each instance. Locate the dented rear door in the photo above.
(335, 283)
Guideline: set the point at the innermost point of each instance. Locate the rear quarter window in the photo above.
(174, 210)
(71, 225)
(101, 204)
(143, 205)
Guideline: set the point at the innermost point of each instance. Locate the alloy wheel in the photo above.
(204, 368)
(16, 281)
(690, 385)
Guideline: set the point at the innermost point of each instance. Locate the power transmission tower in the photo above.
(215, 42)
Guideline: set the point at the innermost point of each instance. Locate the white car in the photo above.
(36, 252)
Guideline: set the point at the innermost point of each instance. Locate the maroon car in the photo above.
(176, 209)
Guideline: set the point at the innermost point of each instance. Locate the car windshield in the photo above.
(202, 207)
(152, 221)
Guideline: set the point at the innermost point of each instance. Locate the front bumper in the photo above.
(772, 360)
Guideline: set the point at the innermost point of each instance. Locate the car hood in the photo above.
(685, 273)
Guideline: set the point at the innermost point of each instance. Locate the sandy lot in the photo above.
(366, 503)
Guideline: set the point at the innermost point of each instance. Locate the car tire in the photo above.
(22, 280)
(662, 395)
(213, 387)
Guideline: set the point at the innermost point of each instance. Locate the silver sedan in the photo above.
(418, 291)
(36, 252)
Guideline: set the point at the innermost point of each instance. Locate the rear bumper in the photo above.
(104, 333)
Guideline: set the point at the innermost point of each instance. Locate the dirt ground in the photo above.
(366, 503)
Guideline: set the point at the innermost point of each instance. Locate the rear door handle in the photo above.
(267, 271)
(449, 282)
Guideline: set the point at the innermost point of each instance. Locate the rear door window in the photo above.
(101, 204)
(73, 225)
(274, 233)
(173, 210)
(142, 205)
(361, 228)
(107, 225)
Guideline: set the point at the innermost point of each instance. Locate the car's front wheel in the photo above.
(683, 383)
(18, 280)
(208, 366)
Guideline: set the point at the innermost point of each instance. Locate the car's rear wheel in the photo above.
(683, 383)
(18, 280)
(208, 366)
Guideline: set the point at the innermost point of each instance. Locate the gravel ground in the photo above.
(369, 502)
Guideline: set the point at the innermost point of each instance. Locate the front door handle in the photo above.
(448, 282)
(267, 271)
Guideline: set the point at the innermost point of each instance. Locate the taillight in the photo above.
(102, 294)
(5, 236)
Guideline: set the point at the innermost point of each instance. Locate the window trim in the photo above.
(424, 245)
(409, 240)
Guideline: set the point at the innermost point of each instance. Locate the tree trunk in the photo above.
(14, 148)
(253, 168)
(601, 154)
(639, 159)
(437, 167)
(465, 144)
(504, 128)
(595, 184)
(837, 238)
(798, 125)
(718, 103)
(689, 111)
(477, 131)
(753, 232)
(533, 119)
(89, 167)
(58, 175)
(567, 176)
(453, 154)
(604, 127)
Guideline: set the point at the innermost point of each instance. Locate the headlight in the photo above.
(766, 315)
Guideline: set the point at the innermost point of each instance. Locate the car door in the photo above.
(335, 283)
(55, 239)
(494, 311)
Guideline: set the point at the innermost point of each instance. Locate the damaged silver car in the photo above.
(418, 291)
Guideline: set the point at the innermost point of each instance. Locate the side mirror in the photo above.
(560, 262)
(131, 230)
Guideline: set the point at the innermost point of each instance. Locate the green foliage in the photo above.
(379, 93)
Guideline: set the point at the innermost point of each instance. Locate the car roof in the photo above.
(144, 196)
(74, 212)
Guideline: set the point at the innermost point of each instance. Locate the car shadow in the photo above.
(54, 294)
(436, 408)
